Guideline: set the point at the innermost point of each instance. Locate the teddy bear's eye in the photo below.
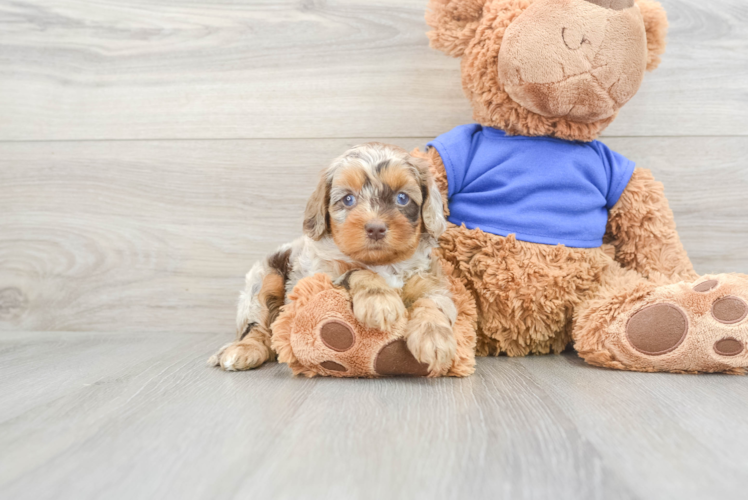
(403, 199)
(349, 200)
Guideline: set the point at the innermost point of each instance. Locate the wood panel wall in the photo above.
(151, 150)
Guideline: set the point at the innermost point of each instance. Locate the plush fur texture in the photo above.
(590, 69)
(574, 94)
(371, 225)
(315, 301)
(602, 332)
(536, 299)
(641, 228)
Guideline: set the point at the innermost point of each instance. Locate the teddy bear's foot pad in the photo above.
(701, 327)
(337, 336)
(317, 334)
(657, 329)
(730, 310)
(333, 366)
(396, 359)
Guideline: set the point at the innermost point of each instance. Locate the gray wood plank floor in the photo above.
(151, 150)
(121, 416)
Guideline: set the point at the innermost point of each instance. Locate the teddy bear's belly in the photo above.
(526, 292)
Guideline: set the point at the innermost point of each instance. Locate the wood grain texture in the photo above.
(128, 219)
(124, 416)
(122, 69)
(156, 236)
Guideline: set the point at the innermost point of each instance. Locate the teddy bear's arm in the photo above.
(641, 227)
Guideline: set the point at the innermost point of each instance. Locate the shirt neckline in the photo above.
(501, 133)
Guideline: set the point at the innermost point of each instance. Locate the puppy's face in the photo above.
(379, 202)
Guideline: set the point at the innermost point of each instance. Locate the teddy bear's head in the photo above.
(560, 68)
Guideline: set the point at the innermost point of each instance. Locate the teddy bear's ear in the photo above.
(454, 23)
(655, 22)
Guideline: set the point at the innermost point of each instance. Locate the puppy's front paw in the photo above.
(379, 309)
(240, 356)
(432, 342)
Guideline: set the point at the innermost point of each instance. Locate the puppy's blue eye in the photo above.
(403, 199)
(349, 200)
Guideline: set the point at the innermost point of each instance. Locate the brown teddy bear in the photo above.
(317, 334)
(556, 237)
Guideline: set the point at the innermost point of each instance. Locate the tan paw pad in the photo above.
(337, 336)
(333, 366)
(396, 359)
(728, 347)
(657, 329)
(706, 286)
(730, 310)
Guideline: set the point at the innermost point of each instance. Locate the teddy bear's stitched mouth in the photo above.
(588, 71)
(584, 40)
(537, 97)
(521, 82)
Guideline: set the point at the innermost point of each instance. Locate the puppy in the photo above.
(371, 225)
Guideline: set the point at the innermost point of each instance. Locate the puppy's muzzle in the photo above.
(376, 230)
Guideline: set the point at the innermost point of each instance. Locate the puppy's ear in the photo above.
(316, 214)
(432, 211)
(454, 23)
(655, 22)
(432, 208)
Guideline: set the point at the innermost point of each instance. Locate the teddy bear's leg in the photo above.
(632, 323)
(318, 334)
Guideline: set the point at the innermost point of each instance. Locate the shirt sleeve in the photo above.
(455, 147)
(619, 169)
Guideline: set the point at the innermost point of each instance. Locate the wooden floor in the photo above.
(151, 150)
(123, 416)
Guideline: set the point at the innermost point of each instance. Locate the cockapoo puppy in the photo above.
(371, 225)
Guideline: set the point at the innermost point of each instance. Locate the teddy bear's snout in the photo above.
(571, 60)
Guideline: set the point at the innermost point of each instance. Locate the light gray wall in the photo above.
(151, 151)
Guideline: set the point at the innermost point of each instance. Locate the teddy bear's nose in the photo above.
(613, 4)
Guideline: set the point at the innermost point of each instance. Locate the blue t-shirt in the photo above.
(541, 189)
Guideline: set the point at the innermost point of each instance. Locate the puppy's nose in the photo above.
(613, 4)
(376, 230)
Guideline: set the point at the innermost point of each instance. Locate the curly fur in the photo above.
(373, 268)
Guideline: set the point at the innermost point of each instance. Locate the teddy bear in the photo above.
(555, 238)
(317, 334)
